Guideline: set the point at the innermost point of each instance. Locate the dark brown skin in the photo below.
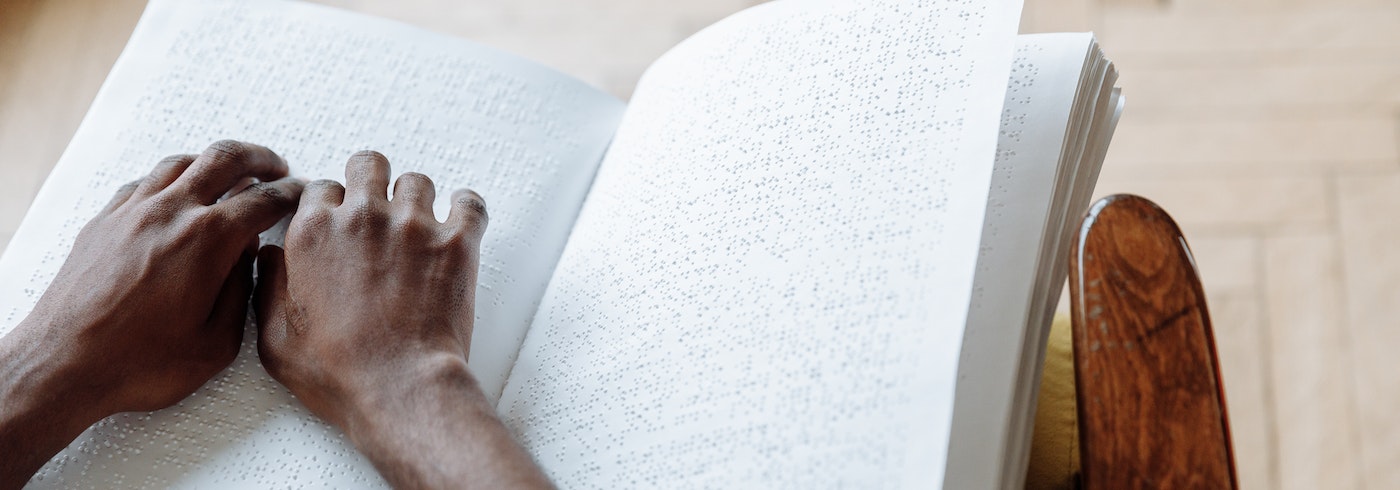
(366, 317)
(149, 305)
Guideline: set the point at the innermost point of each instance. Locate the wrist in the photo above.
(434, 428)
(420, 388)
(45, 375)
(46, 400)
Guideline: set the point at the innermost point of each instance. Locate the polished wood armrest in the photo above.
(1151, 405)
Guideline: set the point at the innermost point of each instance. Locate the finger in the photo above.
(121, 196)
(223, 164)
(414, 191)
(251, 248)
(270, 303)
(263, 204)
(323, 193)
(238, 187)
(467, 222)
(468, 213)
(367, 177)
(231, 308)
(166, 172)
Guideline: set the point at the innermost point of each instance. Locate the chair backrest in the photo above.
(1150, 401)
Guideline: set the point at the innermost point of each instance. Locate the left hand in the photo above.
(151, 301)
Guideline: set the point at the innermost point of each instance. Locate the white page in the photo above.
(314, 84)
(1029, 184)
(768, 284)
(1095, 119)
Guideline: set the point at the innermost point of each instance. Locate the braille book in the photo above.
(819, 247)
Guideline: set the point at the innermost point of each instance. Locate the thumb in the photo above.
(230, 310)
(270, 303)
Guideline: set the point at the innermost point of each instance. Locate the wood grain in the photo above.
(1151, 405)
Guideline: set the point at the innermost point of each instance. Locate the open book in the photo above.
(819, 247)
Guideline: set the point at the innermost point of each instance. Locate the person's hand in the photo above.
(151, 301)
(367, 318)
(368, 290)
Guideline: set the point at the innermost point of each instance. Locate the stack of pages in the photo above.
(820, 246)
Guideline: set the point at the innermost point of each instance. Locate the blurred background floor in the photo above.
(1269, 128)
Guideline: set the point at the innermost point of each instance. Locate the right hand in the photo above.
(370, 294)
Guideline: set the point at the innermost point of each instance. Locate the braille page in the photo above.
(1029, 182)
(315, 84)
(768, 284)
(1093, 123)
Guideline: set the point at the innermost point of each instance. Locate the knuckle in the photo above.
(460, 241)
(359, 208)
(158, 212)
(305, 232)
(364, 214)
(268, 193)
(408, 224)
(207, 219)
(312, 219)
(151, 217)
(172, 161)
(228, 148)
(185, 230)
(153, 184)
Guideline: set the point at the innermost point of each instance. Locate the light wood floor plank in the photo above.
(1325, 27)
(1239, 340)
(1311, 362)
(1370, 239)
(1250, 146)
(1242, 203)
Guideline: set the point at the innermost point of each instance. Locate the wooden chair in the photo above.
(1151, 405)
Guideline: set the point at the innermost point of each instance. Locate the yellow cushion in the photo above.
(1054, 461)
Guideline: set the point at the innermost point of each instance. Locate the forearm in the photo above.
(437, 430)
(43, 405)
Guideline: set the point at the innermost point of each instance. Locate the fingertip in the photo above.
(267, 254)
(271, 278)
(369, 155)
(461, 196)
(250, 249)
(269, 301)
(230, 312)
(469, 211)
(269, 262)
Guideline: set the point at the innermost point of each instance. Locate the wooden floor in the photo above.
(1269, 128)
